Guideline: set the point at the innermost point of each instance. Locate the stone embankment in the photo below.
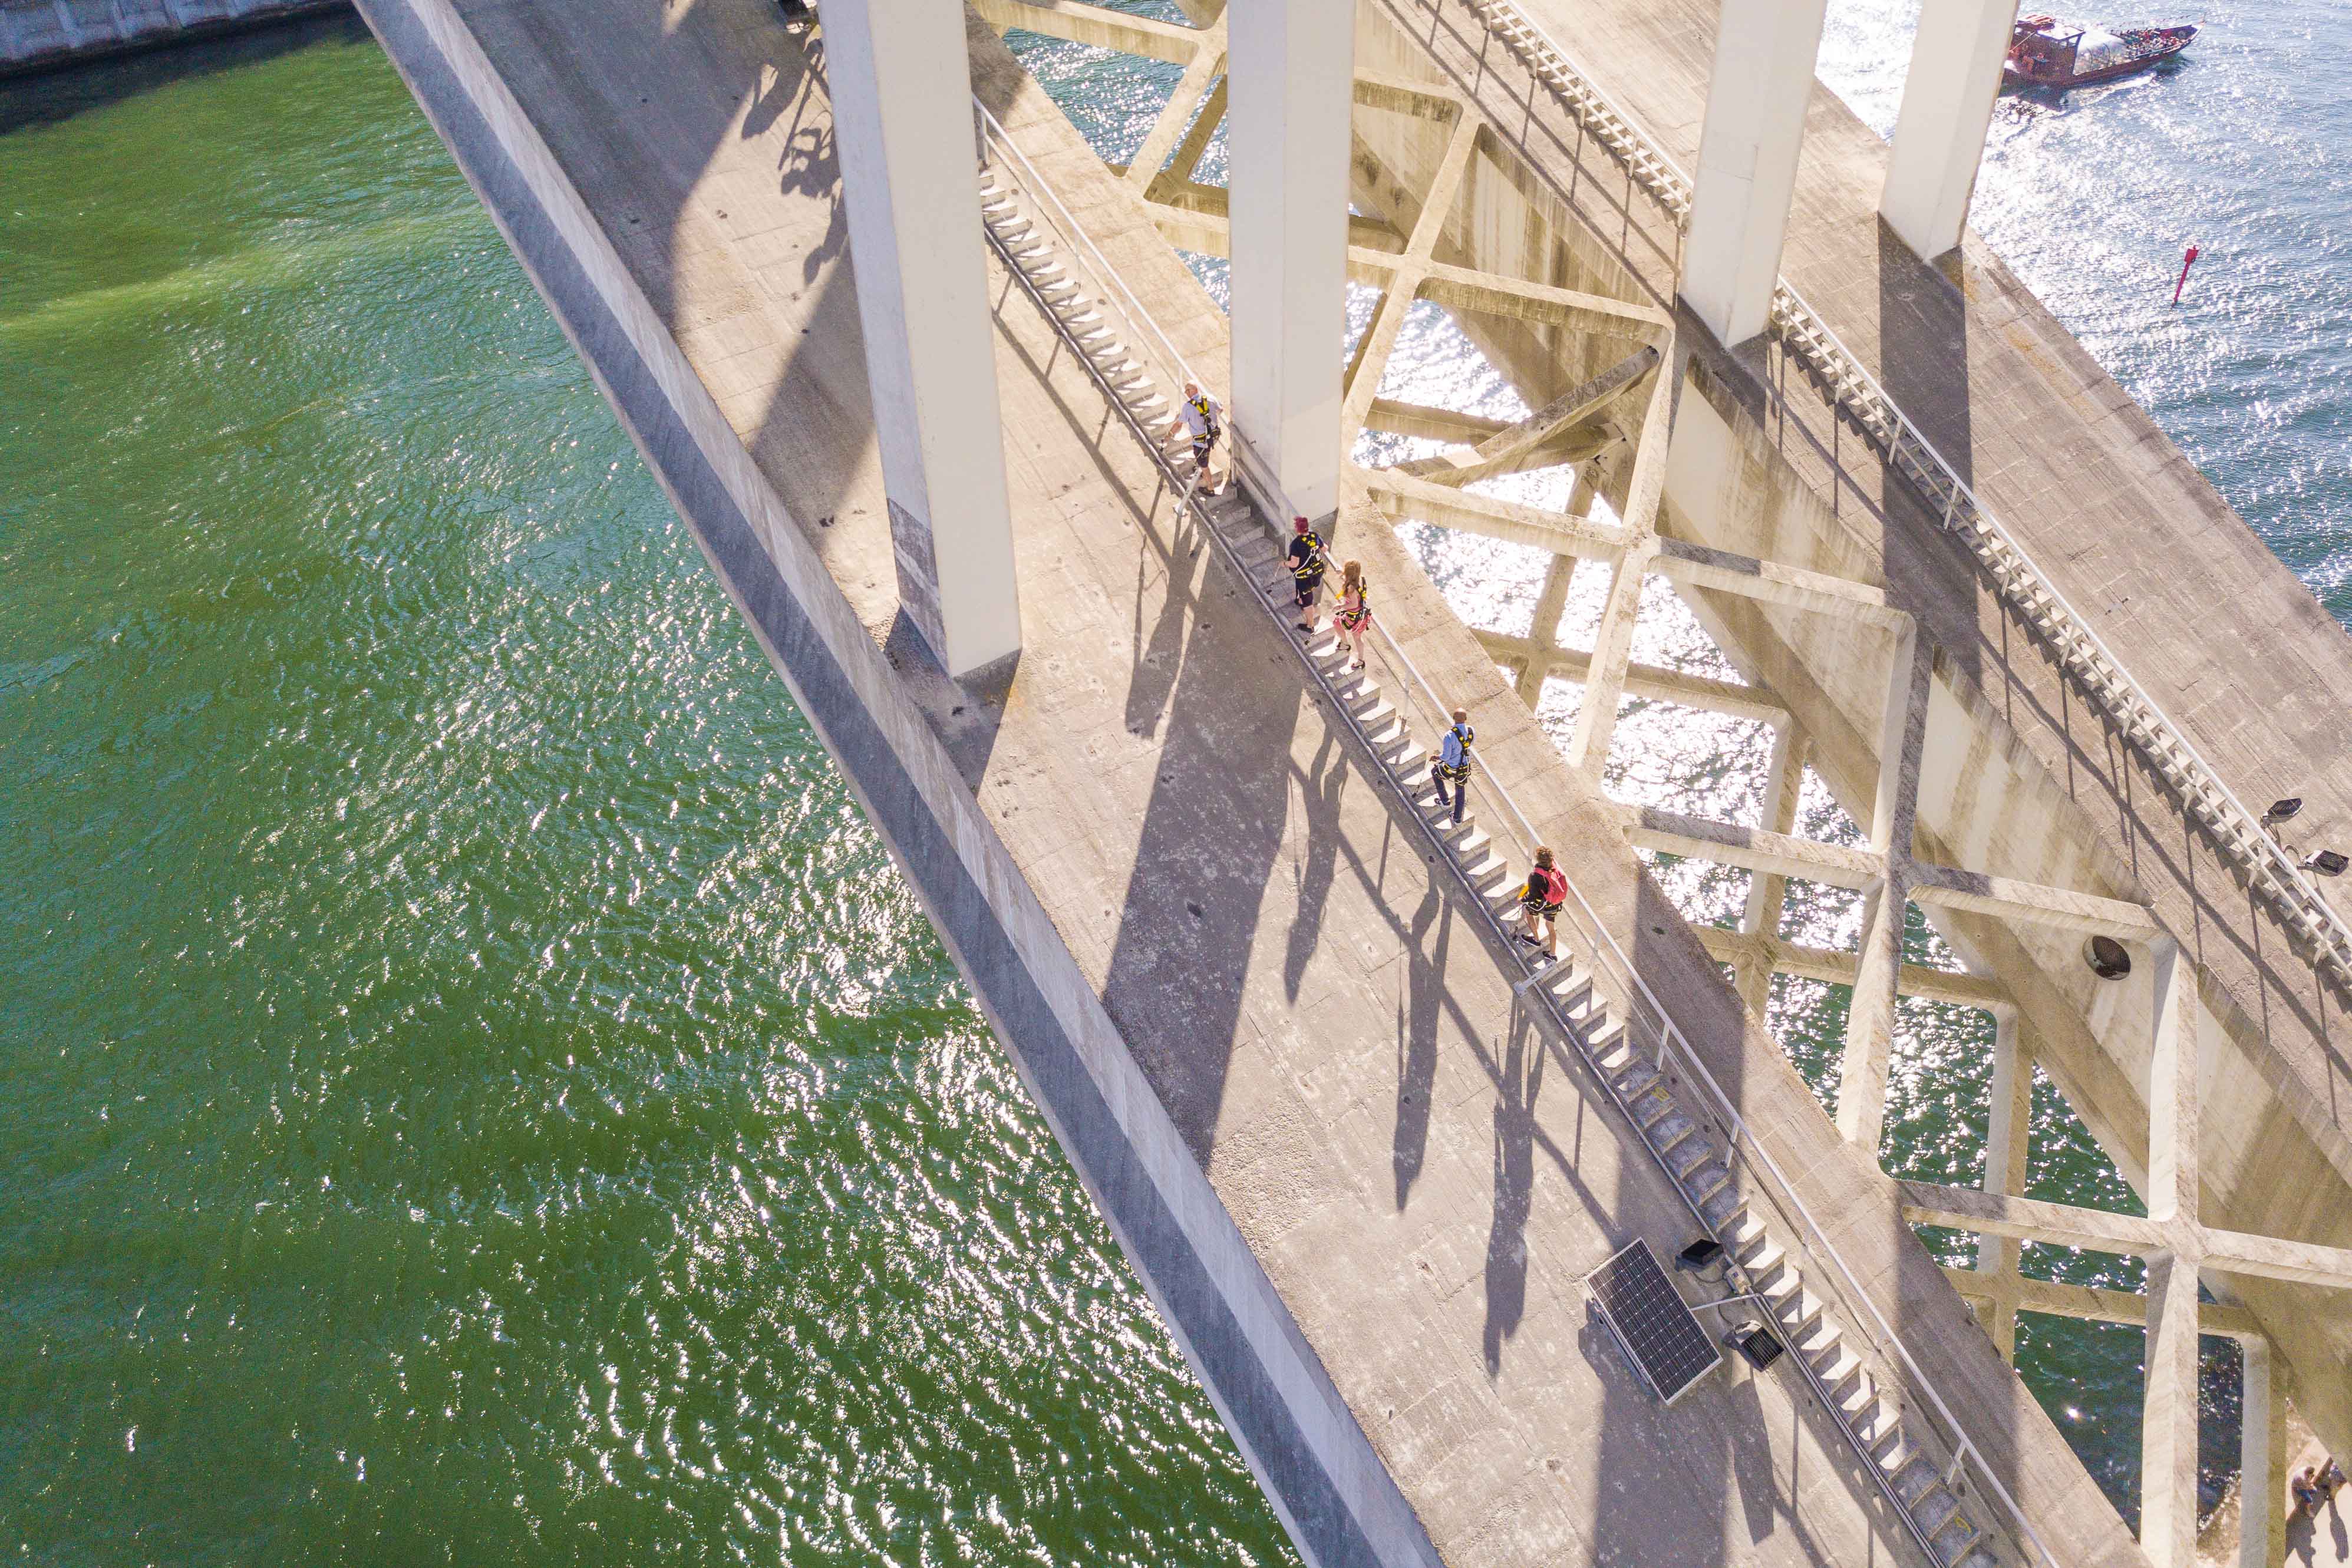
(42, 35)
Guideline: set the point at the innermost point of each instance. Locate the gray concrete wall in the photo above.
(45, 34)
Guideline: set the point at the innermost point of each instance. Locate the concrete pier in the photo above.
(904, 141)
(43, 35)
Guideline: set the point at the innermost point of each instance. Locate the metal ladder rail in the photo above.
(1919, 1491)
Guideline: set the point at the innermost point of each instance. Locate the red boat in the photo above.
(2046, 52)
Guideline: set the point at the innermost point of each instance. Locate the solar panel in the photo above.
(1651, 1323)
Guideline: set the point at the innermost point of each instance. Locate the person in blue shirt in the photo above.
(1452, 763)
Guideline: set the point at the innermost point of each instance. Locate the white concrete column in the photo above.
(903, 127)
(2168, 1516)
(1613, 651)
(1940, 134)
(1290, 78)
(1747, 162)
(1870, 1019)
(1768, 891)
(2008, 1137)
(2261, 1459)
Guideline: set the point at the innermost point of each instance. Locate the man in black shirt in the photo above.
(1307, 564)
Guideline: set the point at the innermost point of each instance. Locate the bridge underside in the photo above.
(1280, 1045)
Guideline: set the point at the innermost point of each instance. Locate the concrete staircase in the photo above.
(1662, 1108)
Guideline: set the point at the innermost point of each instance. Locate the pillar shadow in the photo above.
(1923, 349)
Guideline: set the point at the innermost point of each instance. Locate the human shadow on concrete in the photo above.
(1416, 1047)
(1514, 1161)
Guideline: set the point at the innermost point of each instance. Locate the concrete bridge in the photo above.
(1360, 1152)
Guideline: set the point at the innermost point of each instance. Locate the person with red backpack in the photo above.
(1546, 890)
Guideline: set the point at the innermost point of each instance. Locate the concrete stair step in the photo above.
(1798, 1310)
(1877, 1429)
(1914, 1479)
(1955, 1540)
(1650, 1107)
(1722, 1203)
(1637, 1077)
(1935, 1510)
(1668, 1131)
(1706, 1179)
(1687, 1156)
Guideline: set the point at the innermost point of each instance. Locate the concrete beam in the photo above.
(1763, 77)
(1184, 109)
(1613, 644)
(903, 131)
(1465, 288)
(1502, 453)
(1728, 843)
(1777, 958)
(1401, 495)
(1759, 917)
(1395, 418)
(1870, 1017)
(2261, 1457)
(1404, 95)
(2168, 1428)
(1939, 133)
(1289, 84)
(2031, 1219)
(2008, 1144)
(1380, 339)
(2088, 1305)
(1195, 217)
(1078, 23)
(1770, 582)
(1942, 887)
(1653, 683)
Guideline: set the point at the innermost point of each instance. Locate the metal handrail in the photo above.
(1597, 941)
(2240, 829)
(1140, 318)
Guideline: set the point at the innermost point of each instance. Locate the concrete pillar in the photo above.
(2172, 1085)
(903, 128)
(1747, 162)
(2168, 1523)
(1613, 650)
(2008, 1131)
(1768, 891)
(1940, 134)
(1291, 77)
(1870, 1020)
(2261, 1459)
(2168, 1438)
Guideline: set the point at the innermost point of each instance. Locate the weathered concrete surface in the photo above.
(1270, 1039)
(42, 35)
(2018, 779)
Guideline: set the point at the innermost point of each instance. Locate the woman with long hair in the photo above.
(1354, 614)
